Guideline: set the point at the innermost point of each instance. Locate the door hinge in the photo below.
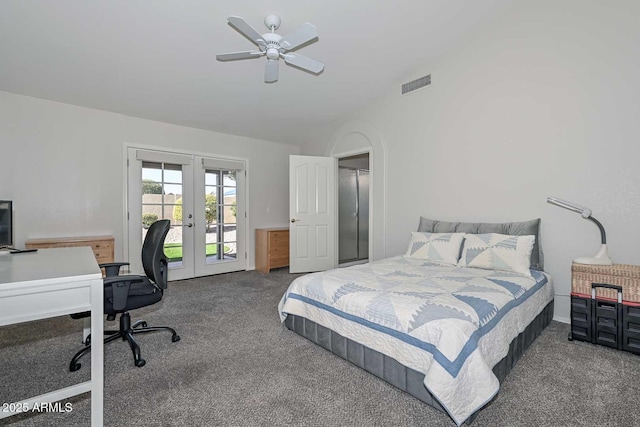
(127, 216)
(245, 214)
(245, 255)
(127, 162)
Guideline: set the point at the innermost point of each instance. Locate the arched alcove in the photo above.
(357, 137)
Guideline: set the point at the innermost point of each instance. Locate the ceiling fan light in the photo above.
(273, 53)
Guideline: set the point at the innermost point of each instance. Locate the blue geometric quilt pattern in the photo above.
(407, 294)
(412, 300)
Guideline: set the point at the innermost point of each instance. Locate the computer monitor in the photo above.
(6, 223)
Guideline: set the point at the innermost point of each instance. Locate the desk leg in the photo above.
(97, 353)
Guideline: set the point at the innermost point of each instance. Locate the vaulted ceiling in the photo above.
(155, 59)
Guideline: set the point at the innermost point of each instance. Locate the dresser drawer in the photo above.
(103, 259)
(102, 245)
(279, 237)
(279, 262)
(279, 250)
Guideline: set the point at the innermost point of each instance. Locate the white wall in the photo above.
(544, 102)
(62, 166)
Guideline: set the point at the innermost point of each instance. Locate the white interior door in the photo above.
(204, 198)
(312, 213)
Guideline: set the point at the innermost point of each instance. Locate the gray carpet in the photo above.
(236, 365)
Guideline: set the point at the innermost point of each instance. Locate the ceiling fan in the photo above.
(275, 46)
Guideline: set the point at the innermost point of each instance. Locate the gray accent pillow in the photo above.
(524, 228)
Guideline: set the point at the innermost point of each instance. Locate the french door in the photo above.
(203, 197)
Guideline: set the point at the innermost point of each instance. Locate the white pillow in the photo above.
(437, 247)
(498, 252)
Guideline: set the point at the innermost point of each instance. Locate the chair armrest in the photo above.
(112, 268)
(117, 279)
(120, 287)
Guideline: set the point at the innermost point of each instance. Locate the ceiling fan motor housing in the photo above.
(273, 45)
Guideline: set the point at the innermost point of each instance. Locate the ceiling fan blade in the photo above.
(271, 71)
(239, 55)
(300, 36)
(247, 30)
(304, 62)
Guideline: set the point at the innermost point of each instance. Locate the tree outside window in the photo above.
(210, 210)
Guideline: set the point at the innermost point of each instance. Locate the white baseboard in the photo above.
(561, 319)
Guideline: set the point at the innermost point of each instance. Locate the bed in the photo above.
(439, 322)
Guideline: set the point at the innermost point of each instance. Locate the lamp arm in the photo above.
(603, 235)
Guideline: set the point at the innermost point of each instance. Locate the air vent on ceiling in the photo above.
(416, 84)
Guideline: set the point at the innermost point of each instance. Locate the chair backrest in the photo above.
(154, 260)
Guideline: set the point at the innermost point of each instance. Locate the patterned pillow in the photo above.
(438, 247)
(497, 252)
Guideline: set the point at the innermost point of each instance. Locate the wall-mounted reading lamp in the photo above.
(602, 257)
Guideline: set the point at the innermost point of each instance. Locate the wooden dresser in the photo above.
(272, 248)
(103, 246)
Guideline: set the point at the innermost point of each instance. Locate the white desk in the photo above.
(50, 283)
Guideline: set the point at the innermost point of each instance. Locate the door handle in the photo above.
(294, 220)
(188, 225)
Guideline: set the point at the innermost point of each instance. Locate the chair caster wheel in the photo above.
(175, 338)
(143, 324)
(88, 340)
(140, 363)
(73, 368)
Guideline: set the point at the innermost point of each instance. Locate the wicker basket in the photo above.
(627, 276)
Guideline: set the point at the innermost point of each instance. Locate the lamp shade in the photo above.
(585, 212)
(602, 257)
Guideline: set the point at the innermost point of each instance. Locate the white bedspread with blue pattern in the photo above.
(452, 324)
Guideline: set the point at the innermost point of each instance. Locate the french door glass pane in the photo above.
(162, 199)
(220, 213)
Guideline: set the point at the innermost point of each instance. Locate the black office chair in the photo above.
(124, 293)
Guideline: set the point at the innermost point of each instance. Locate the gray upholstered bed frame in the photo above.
(398, 375)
